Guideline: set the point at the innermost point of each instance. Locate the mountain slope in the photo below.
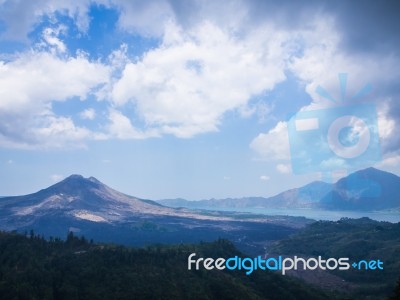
(302, 197)
(368, 189)
(357, 239)
(306, 196)
(84, 198)
(88, 207)
(76, 269)
(89, 199)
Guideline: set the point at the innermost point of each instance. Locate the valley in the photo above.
(90, 210)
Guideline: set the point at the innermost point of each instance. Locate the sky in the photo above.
(192, 99)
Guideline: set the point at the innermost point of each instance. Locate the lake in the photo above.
(392, 216)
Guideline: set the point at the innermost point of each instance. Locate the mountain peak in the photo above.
(370, 174)
(368, 189)
(76, 178)
(75, 184)
(82, 198)
(369, 170)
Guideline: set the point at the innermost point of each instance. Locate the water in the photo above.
(388, 216)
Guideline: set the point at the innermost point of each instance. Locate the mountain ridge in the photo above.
(90, 208)
(319, 195)
(88, 199)
(363, 190)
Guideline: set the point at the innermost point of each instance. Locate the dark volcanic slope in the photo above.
(78, 195)
(86, 199)
(368, 189)
(90, 208)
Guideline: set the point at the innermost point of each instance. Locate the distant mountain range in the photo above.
(91, 208)
(370, 189)
(85, 199)
(88, 207)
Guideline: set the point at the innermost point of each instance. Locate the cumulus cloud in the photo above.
(35, 78)
(29, 85)
(56, 177)
(51, 38)
(283, 168)
(390, 161)
(273, 145)
(88, 114)
(370, 78)
(185, 86)
(57, 131)
(144, 17)
(120, 126)
(206, 63)
(21, 16)
(264, 178)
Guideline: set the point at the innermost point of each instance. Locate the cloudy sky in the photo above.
(165, 99)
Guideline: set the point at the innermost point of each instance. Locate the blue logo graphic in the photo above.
(342, 137)
(249, 265)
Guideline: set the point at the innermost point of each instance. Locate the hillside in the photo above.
(357, 239)
(368, 189)
(90, 208)
(365, 190)
(33, 268)
(303, 197)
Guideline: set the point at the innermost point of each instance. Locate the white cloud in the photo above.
(185, 86)
(334, 163)
(273, 145)
(323, 59)
(88, 114)
(205, 65)
(35, 78)
(60, 131)
(20, 16)
(56, 177)
(284, 168)
(264, 178)
(144, 17)
(28, 86)
(50, 36)
(121, 127)
(386, 124)
(390, 161)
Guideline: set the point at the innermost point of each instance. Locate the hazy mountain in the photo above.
(368, 189)
(356, 239)
(306, 196)
(89, 207)
(83, 198)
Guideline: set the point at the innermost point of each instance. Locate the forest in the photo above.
(75, 268)
(33, 267)
(357, 239)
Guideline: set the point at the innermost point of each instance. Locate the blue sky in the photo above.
(166, 99)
